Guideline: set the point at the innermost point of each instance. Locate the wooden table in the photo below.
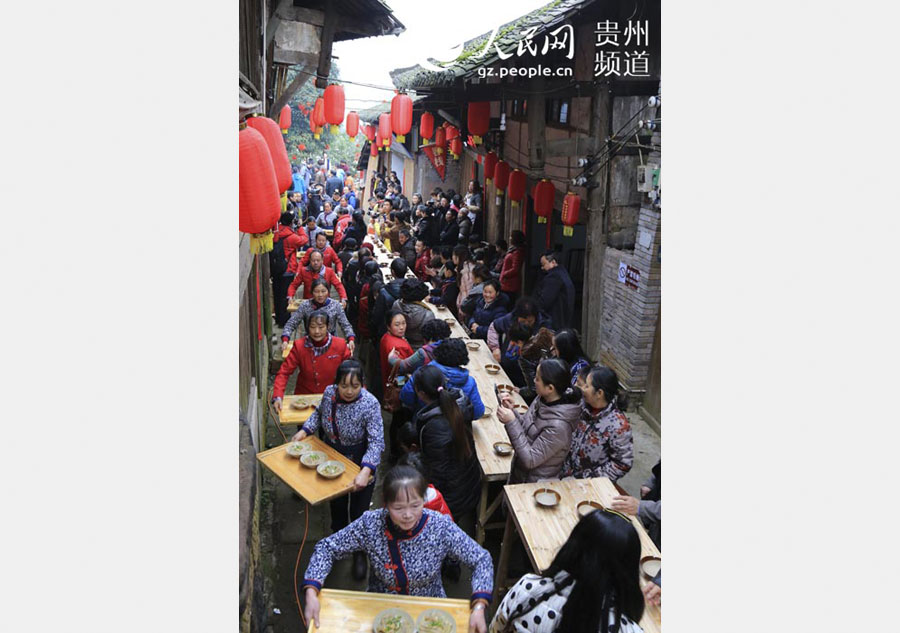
(306, 482)
(343, 611)
(488, 430)
(289, 415)
(544, 530)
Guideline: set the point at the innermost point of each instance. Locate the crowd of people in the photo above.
(364, 338)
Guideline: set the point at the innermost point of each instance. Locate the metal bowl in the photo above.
(503, 448)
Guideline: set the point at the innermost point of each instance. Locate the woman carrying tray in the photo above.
(407, 545)
(349, 420)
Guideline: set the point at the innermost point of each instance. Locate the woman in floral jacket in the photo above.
(602, 444)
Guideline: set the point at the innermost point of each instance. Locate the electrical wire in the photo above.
(297, 565)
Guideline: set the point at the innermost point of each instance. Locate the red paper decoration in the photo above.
(401, 116)
(334, 106)
(440, 139)
(544, 196)
(490, 162)
(284, 119)
(384, 129)
(517, 185)
(501, 176)
(426, 126)
(259, 204)
(479, 120)
(570, 209)
(352, 124)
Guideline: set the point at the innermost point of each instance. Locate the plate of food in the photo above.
(503, 448)
(492, 369)
(650, 566)
(442, 307)
(296, 449)
(393, 620)
(332, 469)
(546, 497)
(473, 345)
(383, 264)
(435, 621)
(301, 403)
(311, 459)
(584, 508)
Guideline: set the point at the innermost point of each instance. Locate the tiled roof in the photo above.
(508, 36)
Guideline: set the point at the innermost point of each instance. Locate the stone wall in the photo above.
(630, 315)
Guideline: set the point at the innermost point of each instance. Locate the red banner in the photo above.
(436, 161)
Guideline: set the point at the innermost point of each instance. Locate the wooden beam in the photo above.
(288, 93)
(275, 20)
(577, 146)
(324, 69)
(537, 123)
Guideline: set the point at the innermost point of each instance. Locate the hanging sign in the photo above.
(436, 161)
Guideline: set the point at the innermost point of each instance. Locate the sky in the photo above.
(432, 29)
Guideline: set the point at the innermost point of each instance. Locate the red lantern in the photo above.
(259, 205)
(301, 147)
(544, 197)
(440, 139)
(334, 106)
(452, 132)
(352, 124)
(275, 142)
(319, 113)
(401, 116)
(501, 176)
(570, 208)
(490, 162)
(284, 119)
(370, 132)
(373, 150)
(517, 184)
(384, 129)
(456, 147)
(293, 157)
(426, 126)
(479, 119)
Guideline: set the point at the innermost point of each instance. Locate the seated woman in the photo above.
(349, 420)
(406, 545)
(449, 357)
(591, 585)
(567, 347)
(316, 357)
(602, 445)
(412, 291)
(444, 425)
(541, 436)
(393, 344)
(489, 306)
(320, 301)
(434, 332)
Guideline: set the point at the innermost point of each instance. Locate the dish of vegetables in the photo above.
(435, 621)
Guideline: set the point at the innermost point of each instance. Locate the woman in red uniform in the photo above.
(317, 357)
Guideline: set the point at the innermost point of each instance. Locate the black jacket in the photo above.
(386, 298)
(408, 252)
(458, 481)
(449, 233)
(556, 297)
(332, 185)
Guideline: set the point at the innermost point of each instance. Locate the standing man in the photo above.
(556, 293)
(333, 184)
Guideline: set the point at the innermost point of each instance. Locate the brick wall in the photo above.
(629, 315)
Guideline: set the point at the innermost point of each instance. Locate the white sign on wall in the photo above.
(623, 270)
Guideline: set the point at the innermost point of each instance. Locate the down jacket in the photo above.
(541, 437)
(484, 315)
(458, 378)
(460, 481)
(417, 314)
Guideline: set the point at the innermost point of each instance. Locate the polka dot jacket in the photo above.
(404, 562)
(534, 605)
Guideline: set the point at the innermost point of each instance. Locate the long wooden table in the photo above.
(306, 482)
(343, 611)
(488, 429)
(544, 530)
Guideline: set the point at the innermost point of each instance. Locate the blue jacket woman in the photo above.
(449, 357)
(488, 307)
